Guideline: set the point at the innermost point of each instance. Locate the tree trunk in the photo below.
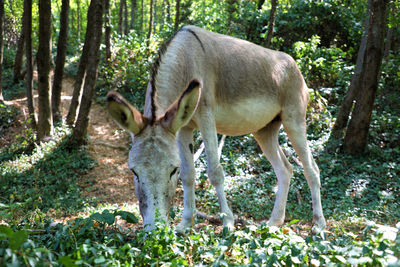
(357, 131)
(20, 53)
(60, 61)
(177, 14)
(347, 104)
(29, 63)
(80, 129)
(260, 3)
(45, 120)
(155, 16)
(271, 23)
(1, 46)
(120, 16)
(168, 11)
(126, 29)
(388, 42)
(133, 11)
(78, 18)
(107, 32)
(141, 16)
(162, 15)
(80, 75)
(150, 22)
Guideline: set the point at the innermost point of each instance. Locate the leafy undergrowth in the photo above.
(99, 240)
(42, 177)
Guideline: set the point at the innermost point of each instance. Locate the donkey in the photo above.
(216, 84)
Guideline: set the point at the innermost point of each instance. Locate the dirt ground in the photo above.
(113, 181)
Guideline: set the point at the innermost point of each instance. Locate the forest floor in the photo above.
(110, 181)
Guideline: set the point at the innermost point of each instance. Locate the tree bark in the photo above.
(357, 131)
(121, 16)
(168, 11)
(78, 18)
(260, 3)
(45, 120)
(133, 11)
(60, 61)
(126, 29)
(107, 32)
(177, 14)
(20, 53)
(80, 75)
(80, 129)
(29, 62)
(271, 23)
(141, 17)
(155, 16)
(1, 46)
(347, 104)
(150, 22)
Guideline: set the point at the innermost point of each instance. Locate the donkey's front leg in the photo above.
(187, 174)
(215, 171)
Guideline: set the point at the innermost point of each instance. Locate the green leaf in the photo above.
(6, 230)
(18, 238)
(127, 216)
(99, 260)
(293, 222)
(67, 261)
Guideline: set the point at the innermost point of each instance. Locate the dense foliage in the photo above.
(41, 183)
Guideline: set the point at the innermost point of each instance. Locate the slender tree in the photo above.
(347, 104)
(141, 16)
(80, 129)
(126, 29)
(133, 11)
(271, 23)
(78, 18)
(155, 16)
(45, 119)
(29, 61)
(60, 61)
(107, 26)
(357, 131)
(1, 46)
(150, 22)
(121, 16)
(177, 14)
(20, 52)
(80, 75)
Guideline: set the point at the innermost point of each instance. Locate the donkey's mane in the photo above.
(156, 65)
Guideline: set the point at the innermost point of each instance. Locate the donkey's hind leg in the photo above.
(267, 138)
(295, 127)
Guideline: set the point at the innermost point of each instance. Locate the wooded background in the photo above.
(345, 28)
(348, 52)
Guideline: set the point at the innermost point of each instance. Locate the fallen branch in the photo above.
(217, 220)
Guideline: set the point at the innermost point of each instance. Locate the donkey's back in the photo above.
(216, 83)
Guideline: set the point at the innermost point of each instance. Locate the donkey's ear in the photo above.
(181, 111)
(124, 114)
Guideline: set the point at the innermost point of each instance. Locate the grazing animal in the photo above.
(216, 84)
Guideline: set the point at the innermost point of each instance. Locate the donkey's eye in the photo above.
(173, 172)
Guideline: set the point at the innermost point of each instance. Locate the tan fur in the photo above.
(245, 89)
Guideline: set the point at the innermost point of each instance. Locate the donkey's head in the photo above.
(154, 157)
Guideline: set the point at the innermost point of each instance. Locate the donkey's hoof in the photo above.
(273, 222)
(229, 222)
(183, 226)
(318, 227)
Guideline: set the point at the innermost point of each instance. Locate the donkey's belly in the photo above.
(247, 116)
